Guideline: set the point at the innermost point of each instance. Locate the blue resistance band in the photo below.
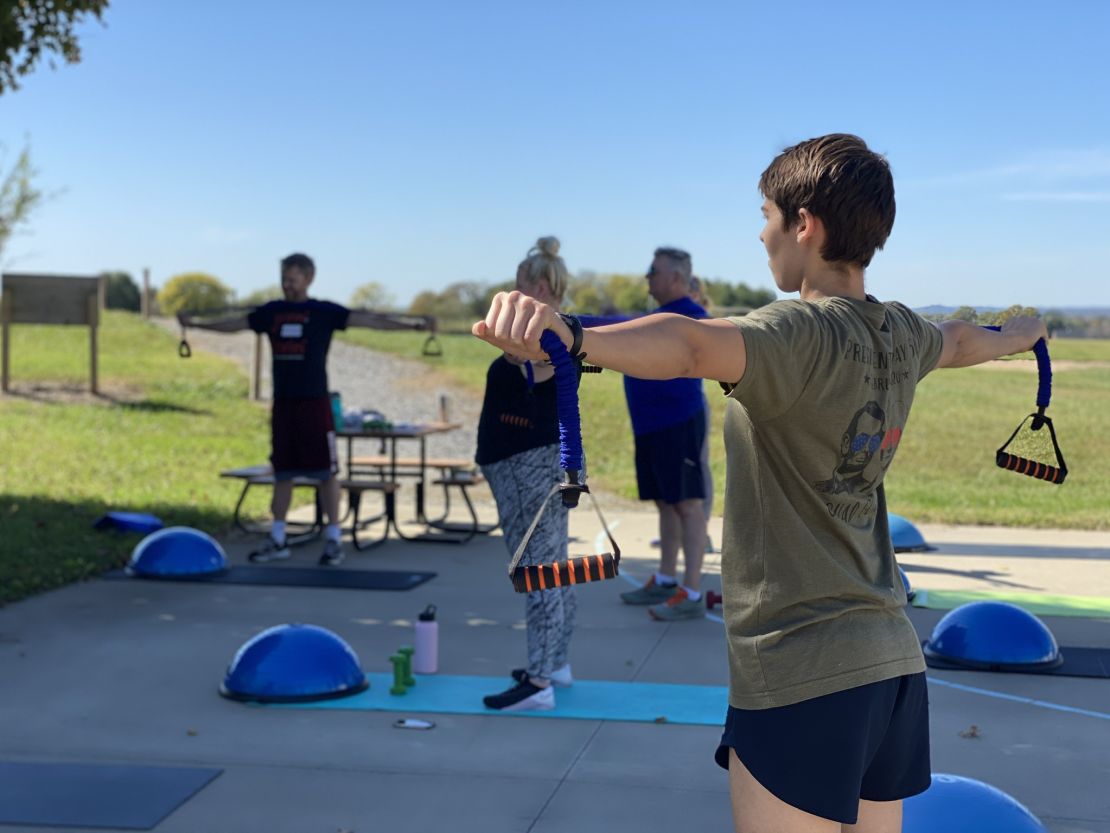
(588, 568)
(1023, 465)
(1044, 372)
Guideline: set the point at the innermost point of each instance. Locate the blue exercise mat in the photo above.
(692, 705)
(95, 795)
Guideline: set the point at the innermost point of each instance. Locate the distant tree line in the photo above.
(1057, 323)
(588, 293)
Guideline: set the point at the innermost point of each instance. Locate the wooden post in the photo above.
(145, 302)
(5, 325)
(93, 322)
(256, 368)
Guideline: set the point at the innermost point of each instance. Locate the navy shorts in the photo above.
(823, 755)
(303, 436)
(669, 465)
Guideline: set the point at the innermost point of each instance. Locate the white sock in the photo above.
(666, 581)
(332, 532)
(277, 531)
(692, 595)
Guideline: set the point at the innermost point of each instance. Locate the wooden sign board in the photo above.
(50, 299)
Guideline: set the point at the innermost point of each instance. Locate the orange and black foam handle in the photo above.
(565, 573)
(1031, 468)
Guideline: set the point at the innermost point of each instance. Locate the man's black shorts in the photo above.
(823, 755)
(303, 438)
(669, 462)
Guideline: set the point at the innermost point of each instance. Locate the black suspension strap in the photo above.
(1022, 458)
(584, 568)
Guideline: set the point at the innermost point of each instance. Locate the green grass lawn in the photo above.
(155, 443)
(944, 471)
(165, 427)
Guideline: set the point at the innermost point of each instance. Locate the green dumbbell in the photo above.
(398, 686)
(406, 651)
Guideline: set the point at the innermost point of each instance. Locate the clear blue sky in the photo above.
(417, 144)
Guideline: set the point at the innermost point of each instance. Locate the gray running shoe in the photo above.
(650, 594)
(270, 551)
(332, 555)
(678, 607)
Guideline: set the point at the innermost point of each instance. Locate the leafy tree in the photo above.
(586, 300)
(18, 196)
(122, 291)
(425, 303)
(628, 293)
(731, 296)
(193, 292)
(1054, 322)
(372, 295)
(30, 28)
(965, 313)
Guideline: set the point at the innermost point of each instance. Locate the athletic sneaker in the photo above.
(678, 607)
(524, 696)
(332, 555)
(270, 551)
(560, 677)
(651, 593)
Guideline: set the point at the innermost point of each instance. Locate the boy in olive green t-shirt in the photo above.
(828, 713)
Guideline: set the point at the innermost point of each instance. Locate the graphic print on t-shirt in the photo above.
(866, 449)
(288, 339)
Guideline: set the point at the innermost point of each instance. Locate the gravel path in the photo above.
(405, 390)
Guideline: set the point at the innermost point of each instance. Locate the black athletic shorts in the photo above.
(303, 436)
(823, 755)
(669, 462)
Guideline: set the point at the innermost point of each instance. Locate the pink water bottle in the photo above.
(425, 659)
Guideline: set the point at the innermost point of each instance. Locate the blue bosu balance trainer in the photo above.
(993, 636)
(954, 804)
(904, 535)
(293, 664)
(177, 551)
(910, 593)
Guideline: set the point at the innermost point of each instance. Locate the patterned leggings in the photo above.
(519, 485)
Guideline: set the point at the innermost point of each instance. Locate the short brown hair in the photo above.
(299, 261)
(840, 180)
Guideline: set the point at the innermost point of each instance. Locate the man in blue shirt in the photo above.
(669, 424)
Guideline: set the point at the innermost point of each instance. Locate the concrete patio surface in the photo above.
(127, 671)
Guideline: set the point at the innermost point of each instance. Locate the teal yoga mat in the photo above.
(692, 705)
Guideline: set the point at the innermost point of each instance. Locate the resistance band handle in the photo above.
(183, 348)
(565, 573)
(570, 422)
(431, 346)
(1044, 374)
(1031, 468)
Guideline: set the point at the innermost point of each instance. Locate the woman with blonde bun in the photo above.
(518, 451)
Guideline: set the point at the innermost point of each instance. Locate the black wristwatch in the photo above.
(575, 334)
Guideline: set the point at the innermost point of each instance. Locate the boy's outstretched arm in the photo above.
(662, 346)
(228, 324)
(967, 344)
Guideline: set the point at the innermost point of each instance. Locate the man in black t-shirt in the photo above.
(303, 430)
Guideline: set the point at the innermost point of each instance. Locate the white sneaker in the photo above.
(524, 696)
(332, 555)
(270, 551)
(560, 677)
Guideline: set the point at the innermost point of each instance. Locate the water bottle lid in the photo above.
(429, 614)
